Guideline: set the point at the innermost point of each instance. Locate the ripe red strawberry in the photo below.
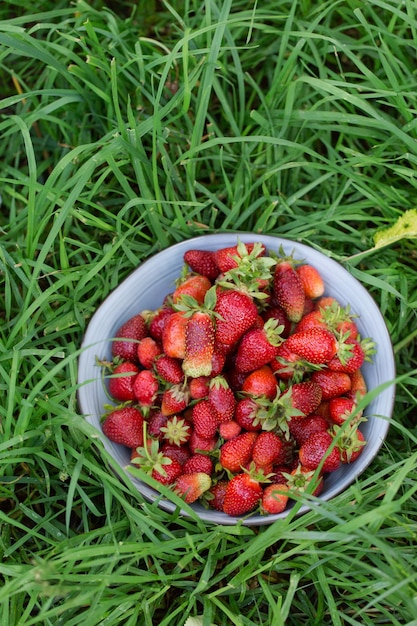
(121, 382)
(198, 463)
(127, 338)
(222, 398)
(173, 335)
(261, 382)
(288, 291)
(350, 357)
(301, 429)
(350, 442)
(358, 385)
(311, 280)
(288, 366)
(277, 313)
(314, 319)
(202, 262)
(176, 430)
(199, 345)
(246, 414)
(243, 495)
(229, 430)
(169, 472)
(332, 383)
(174, 399)
(147, 351)
(305, 396)
(169, 369)
(275, 498)
(216, 494)
(199, 387)
(229, 258)
(268, 449)
(155, 421)
(193, 285)
(124, 426)
(158, 321)
(192, 486)
(179, 453)
(145, 388)
(341, 408)
(316, 345)
(205, 419)
(316, 448)
(202, 444)
(236, 313)
(236, 453)
(258, 346)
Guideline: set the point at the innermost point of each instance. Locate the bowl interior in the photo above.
(146, 287)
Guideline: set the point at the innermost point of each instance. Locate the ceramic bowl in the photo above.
(146, 287)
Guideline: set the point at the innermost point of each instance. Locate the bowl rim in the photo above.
(220, 240)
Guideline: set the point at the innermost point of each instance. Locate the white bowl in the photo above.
(146, 287)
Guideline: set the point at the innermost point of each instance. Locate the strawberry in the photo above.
(277, 313)
(176, 430)
(274, 498)
(198, 463)
(174, 399)
(155, 421)
(127, 338)
(192, 486)
(243, 495)
(332, 383)
(300, 479)
(202, 444)
(258, 346)
(199, 387)
(230, 429)
(230, 257)
(268, 449)
(313, 319)
(289, 366)
(199, 345)
(261, 382)
(351, 355)
(147, 351)
(169, 471)
(288, 291)
(173, 335)
(342, 408)
(301, 429)
(202, 262)
(358, 385)
(316, 448)
(305, 396)
(350, 441)
(121, 382)
(179, 453)
(216, 494)
(311, 280)
(222, 398)
(235, 453)
(158, 321)
(194, 286)
(315, 345)
(236, 313)
(125, 426)
(145, 388)
(205, 419)
(246, 414)
(169, 369)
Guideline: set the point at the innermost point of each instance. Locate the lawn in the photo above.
(127, 127)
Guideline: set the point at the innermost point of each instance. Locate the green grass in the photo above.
(125, 128)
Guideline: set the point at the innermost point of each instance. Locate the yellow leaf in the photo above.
(404, 228)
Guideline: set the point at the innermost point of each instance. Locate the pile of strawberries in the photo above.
(241, 390)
